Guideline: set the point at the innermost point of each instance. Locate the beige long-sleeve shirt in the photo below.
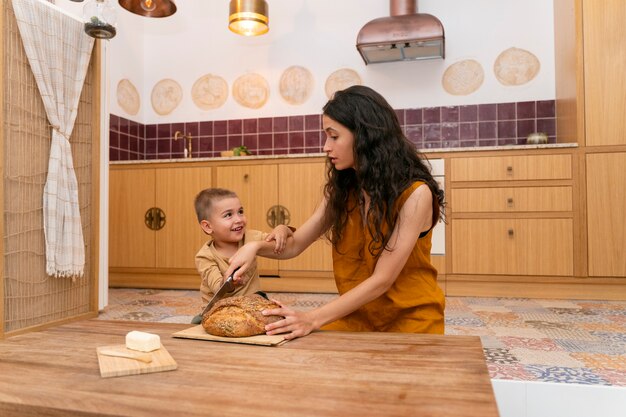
(212, 266)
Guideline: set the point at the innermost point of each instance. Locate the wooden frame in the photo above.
(94, 193)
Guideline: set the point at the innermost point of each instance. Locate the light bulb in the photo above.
(148, 5)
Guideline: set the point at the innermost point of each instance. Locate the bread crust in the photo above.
(239, 316)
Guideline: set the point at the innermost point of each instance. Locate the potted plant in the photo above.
(241, 151)
(237, 151)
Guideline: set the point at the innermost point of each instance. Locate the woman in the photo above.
(379, 208)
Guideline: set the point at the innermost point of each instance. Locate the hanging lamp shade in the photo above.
(248, 17)
(150, 8)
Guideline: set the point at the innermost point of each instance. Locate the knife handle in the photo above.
(143, 357)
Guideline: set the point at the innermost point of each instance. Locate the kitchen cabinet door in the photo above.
(606, 202)
(512, 246)
(131, 243)
(180, 238)
(257, 188)
(301, 191)
(604, 34)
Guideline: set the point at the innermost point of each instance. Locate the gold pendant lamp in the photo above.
(248, 17)
(150, 8)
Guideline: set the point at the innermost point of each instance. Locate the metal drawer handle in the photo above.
(509, 202)
(511, 233)
(509, 170)
(245, 177)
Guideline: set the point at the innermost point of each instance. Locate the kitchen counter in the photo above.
(318, 155)
(55, 372)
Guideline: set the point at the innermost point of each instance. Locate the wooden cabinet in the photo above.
(604, 69)
(257, 188)
(136, 250)
(511, 219)
(606, 222)
(590, 40)
(272, 193)
(285, 193)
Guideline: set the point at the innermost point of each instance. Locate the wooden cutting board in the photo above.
(111, 366)
(198, 332)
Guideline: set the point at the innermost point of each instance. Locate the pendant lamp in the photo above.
(248, 17)
(149, 8)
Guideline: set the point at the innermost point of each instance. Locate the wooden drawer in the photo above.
(511, 199)
(519, 167)
(512, 246)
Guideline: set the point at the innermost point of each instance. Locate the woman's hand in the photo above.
(295, 323)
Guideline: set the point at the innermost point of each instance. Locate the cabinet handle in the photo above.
(245, 177)
(511, 233)
(278, 215)
(509, 170)
(509, 202)
(154, 219)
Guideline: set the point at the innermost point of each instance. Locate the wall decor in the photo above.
(166, 96)
(251, 90)
(340, 79)
(209, 92)
(463, 78)
(296, 85)
(516, 66)
(128, 97)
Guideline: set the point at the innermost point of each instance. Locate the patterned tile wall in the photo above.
(429, 128)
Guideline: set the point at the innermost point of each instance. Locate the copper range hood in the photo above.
(403, 36)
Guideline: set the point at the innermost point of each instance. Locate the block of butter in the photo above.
(144, 342)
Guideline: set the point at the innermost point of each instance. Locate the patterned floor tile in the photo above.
(469, 331)
(571, 333)
(566, 375)
(610, 336)
(533, 344)
(500, 319)
(489, 341)
(591, 346)
(515, 371)
(500, 356)
(557, 303)
(601, 361)
(490, 308)
(529, 333)
(468, 321)
(545, 358)
(613, 376)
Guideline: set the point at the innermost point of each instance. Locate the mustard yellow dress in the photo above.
(413, 304)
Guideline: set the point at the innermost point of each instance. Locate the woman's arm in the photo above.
(302, 238)
(414, 217)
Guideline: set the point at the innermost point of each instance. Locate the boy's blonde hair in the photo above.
(205, 199)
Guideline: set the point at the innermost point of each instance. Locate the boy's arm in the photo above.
(210, 277)
(302, 238)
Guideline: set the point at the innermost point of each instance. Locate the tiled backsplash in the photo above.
(429, 128)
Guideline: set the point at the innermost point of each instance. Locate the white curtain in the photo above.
(59, 52)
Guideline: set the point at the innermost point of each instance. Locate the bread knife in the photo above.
(227, 286)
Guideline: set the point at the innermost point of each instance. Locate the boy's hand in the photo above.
(280, 234)
(240, 262)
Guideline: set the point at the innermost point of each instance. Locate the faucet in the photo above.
(187, 137)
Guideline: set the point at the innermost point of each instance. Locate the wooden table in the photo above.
(55, 373)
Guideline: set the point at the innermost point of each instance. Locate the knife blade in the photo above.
(226, 287)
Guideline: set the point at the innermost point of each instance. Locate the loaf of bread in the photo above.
(239, 316)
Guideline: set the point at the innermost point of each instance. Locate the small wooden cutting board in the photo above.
(111, 366)
(198, 332)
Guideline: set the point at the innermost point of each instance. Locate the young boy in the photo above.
(221, 216)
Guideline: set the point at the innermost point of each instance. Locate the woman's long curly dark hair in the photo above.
(386, 163)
